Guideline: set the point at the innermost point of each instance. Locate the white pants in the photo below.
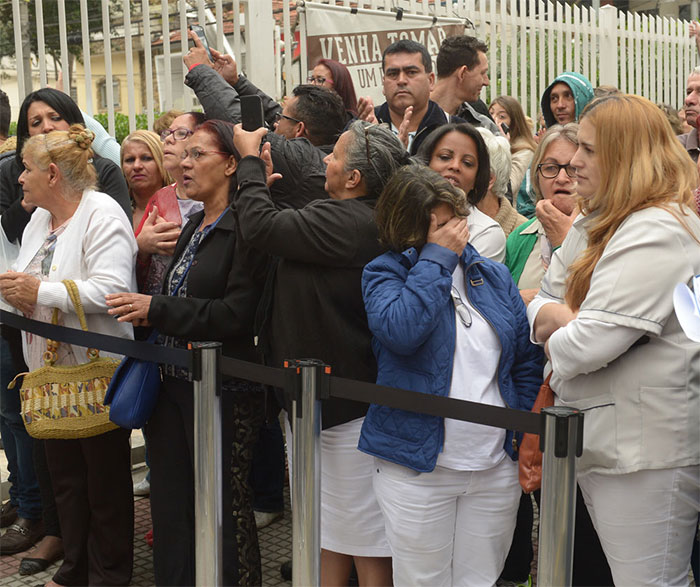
(646, 522)
(448, 527)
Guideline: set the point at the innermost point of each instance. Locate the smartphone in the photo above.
(504, 128)
(252, 114)
(199, 31)
(166, 201)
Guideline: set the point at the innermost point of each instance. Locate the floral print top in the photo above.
(40, 267)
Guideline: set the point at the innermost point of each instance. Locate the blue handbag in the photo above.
(133, 391)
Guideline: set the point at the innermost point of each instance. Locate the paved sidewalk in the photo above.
(275, 547)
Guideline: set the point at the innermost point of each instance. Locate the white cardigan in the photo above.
(97, 250)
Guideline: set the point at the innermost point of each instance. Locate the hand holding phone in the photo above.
(202, 37)
(252, 114)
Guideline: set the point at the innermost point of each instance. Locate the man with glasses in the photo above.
(408, 81)
(304, 129)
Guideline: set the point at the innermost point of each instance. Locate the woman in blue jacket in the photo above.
(448, 322)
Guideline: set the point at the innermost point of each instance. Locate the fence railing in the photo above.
(307, 383)
(134, 48)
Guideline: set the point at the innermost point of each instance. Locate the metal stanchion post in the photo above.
(563, 442)
(207, 464)
(306, 473)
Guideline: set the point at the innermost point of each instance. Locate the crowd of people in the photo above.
(431, 243)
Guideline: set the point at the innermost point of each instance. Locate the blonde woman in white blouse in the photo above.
(605, 316)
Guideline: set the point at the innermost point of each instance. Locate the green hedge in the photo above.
(121, 123)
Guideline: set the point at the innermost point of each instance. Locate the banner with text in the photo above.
(358, 39)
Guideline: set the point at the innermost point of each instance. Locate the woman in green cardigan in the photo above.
(530, 246)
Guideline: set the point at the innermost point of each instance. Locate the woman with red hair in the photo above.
(334, 75)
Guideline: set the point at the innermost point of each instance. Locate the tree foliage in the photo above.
(51, 30)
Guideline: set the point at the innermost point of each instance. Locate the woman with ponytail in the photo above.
(83, 235)
(605, 316)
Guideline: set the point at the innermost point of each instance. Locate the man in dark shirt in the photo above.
(408, 81)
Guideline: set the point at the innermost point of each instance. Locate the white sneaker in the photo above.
(264, 519)
(142, 488)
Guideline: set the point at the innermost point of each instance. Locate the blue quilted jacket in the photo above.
(412, 318)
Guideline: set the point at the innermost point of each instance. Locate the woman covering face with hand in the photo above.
(446, 322)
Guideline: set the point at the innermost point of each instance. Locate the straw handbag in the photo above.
(68, 402)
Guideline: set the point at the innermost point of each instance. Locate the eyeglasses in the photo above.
(461, 308)
(318, 80)
(551, 170)
(196, 153)
(179, 134)
(280, 115)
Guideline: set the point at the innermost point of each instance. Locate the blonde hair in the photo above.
(70, 151)
(556, 132)
(641, 164)
(152, 141)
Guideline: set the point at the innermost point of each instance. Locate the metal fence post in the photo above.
(207, 464)
(306, 471)
(563, 442)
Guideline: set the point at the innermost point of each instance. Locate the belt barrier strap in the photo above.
(252, 372)
(113, 344)
(432, 405)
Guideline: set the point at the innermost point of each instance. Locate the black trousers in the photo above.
(91, 480)
(170, 435)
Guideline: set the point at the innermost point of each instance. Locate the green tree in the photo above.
(51, 29)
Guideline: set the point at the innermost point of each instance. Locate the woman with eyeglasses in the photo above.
(529, 250)
(335, 76)
(210, 293)
(530, 246)
(167, 209)
(447, 322)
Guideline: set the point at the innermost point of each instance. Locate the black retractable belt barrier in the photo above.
(311, 380)
(253, 372)
(432, 405)
(104, 342)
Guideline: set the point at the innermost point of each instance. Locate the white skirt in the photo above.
(351, 521)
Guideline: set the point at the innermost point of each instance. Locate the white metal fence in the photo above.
(530, 42)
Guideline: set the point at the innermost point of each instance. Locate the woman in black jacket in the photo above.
(209, 294)
(317, 311)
